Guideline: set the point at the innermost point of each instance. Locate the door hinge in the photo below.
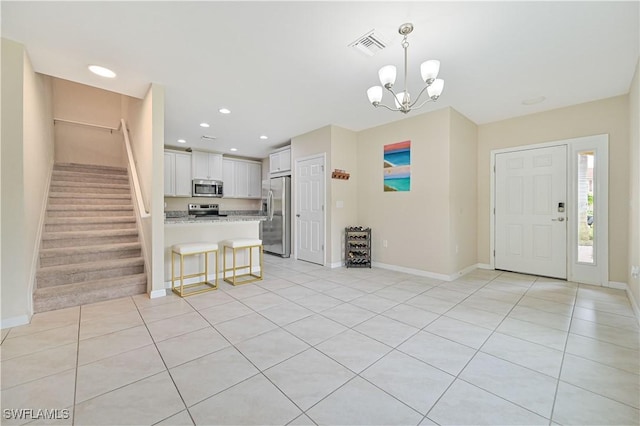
(494, 210)
(322, 168)
(494, 168)
(494, 253)
(323, 207)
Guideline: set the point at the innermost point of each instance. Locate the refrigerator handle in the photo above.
(270, 205)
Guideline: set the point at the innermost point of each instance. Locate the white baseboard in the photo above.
(336, 265)
(617, 285)
(421, 273)
(484, 266)
(158, 293)
(634, 303)
(14, 321)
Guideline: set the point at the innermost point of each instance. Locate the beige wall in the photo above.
(82, 144)
(343, 203)
(15, 291)
(463, 154)
(416, 223)
(27, 158)
(313, 143)
(145, 119)
(38, 145)
(634, 182)
(608, 116)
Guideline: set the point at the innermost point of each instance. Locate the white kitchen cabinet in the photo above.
(242, 178)
(228, 178)
(280, 161)
(169, 174)
(206, 165)
(255, 180)
(177, 174)
(183, 175)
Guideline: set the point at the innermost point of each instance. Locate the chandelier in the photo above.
(428, 70)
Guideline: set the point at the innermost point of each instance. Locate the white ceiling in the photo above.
(284, 68)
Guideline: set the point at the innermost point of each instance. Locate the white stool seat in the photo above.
(242, 242)
(191, 248)
(203, 248)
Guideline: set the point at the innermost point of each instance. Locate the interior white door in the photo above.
(530, 217)
(310, 210)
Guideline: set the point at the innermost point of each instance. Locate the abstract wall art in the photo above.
(397, 167)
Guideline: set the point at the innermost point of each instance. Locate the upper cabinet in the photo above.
(206, 165)
(242, 178)
(280, 162)
(177, 174)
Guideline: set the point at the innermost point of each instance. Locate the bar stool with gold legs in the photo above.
(191, 249)
(241, 244)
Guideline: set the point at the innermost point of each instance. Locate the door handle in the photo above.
(560, 219)
(298, 215)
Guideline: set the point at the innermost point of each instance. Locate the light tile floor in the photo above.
(310, 345)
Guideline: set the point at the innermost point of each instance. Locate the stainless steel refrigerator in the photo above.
(275, 232)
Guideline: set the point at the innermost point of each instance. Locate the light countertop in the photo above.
(214, 219)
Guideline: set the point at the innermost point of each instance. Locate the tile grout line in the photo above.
(564, 352)
(75, 380)
(146, 325)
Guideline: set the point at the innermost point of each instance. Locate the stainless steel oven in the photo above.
(206, 188)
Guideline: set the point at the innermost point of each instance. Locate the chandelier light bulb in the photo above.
(402, 99)
(375, 94)
(429, 70)
(435, 89)
(387, 76)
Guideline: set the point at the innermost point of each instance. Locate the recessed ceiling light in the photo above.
(263, 137)
(182, 141)
(224, 111)
(233, 149)
(102, 71)
(204, 124)
(534, 101)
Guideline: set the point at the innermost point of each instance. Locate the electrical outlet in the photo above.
(384, 243)
(635, 272)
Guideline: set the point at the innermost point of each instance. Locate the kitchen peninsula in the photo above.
(184, 228)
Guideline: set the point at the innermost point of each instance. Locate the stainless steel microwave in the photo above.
(206, 188)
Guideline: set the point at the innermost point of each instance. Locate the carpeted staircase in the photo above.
(90, 249)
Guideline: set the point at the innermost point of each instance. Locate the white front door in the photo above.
(530, 211)
(310, 210)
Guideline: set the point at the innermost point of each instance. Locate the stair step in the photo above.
(89, 168)
(64, 296)
(90, 271)
(88, 238)
(96, 199)
(89, 195)
(74, 255)
(62, 224)
(63, 176)
(80, 210)
(94, 188)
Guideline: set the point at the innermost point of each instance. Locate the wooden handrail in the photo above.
(144, 212)
(80, 123)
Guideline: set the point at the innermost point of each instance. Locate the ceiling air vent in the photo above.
(369, 44)
(208, 138)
